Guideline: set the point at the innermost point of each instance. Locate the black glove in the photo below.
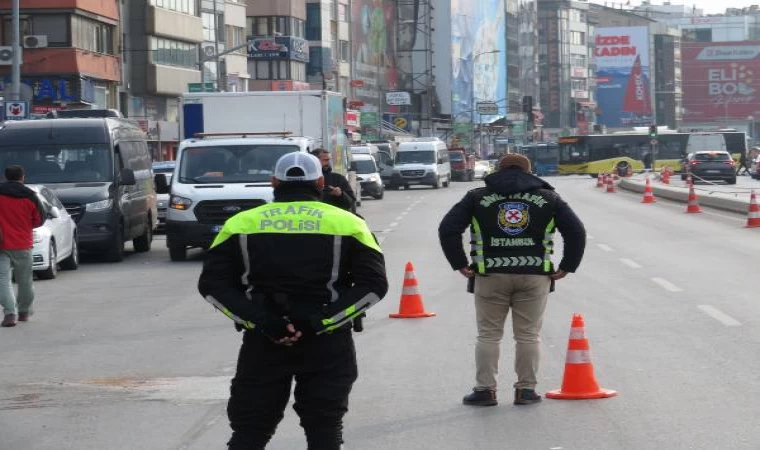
(275, 328)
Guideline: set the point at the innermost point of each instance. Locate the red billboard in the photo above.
(721, 81)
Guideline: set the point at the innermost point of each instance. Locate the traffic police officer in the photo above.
(293, 274)
(512, 221)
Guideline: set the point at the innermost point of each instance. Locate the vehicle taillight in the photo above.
(694, 163)
(731, 162)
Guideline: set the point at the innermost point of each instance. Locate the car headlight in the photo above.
(37, 236)
(372, 179)
(180, 203)
(99, 206)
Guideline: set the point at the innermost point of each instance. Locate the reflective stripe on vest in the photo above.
(477, 246)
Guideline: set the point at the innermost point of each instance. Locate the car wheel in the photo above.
(447, 182)
(72, 262)
(380, 195)
(142, 243)
(116, 254)
(178, 253)
(52, 269)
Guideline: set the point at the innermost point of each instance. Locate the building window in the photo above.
(91, 35)
(235, 37)
(342, 12)
(578, 84)
(577, 38)
(169, 52)
(333, 9)
(54, 26)
(298, 71)
(182, 6)
(279, 70)
(313, 22)
(577, 60)
(345, 51)
(278, 25)
(209, 26)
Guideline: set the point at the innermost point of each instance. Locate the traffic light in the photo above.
(653, 131)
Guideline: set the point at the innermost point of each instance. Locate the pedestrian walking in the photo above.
(512, 221)
(20, 213)
(743, 164)
(293, 274)
(337, 190)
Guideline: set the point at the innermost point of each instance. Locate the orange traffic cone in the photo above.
(579, 382)
(753, 218)
(665, 178)
(611, 185)
(648, 193)
(411, 306)
(693, 204)
(599, 181)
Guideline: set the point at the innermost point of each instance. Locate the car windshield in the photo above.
(243, 163)
(456, 156)
(712, 157)
(48, 164)
(416, 156)
(365, 166)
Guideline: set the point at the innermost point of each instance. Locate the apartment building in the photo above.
(278, 52)
(70, 53)
(328, 30)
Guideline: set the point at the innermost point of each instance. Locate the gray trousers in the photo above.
(495, 295)
(20, 261)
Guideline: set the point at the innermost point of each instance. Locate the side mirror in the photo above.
(54, 213)
(440, 160)
(162, 184)
(128, 177)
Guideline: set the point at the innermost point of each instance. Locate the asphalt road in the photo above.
(128, 356)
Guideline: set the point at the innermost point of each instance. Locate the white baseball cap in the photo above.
(298, 166)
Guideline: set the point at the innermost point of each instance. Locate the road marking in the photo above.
(630, 263)
(605, 247)
(380, 240)
(398, 219)
(667, 285)
(393, 225)
(720, 316)
(588, 236)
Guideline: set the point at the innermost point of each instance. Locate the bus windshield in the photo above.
(49, 164)
(231, 163)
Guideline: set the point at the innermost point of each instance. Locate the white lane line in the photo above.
(667, 285)
(403, 214)
(393, 225)
(630, 263)
(380, 240)
(720, 316)
(398, 219)
(605, 247)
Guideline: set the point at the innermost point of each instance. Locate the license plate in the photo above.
(217, 228)
(712, 171)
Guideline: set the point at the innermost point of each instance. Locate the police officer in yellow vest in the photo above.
(512, 221)
(293, 274)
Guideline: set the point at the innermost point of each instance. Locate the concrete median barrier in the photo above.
(731, 202)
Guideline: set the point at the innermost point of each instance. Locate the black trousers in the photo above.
(324, 369)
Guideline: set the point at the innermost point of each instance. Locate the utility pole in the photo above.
(216, 50)
(16, 43)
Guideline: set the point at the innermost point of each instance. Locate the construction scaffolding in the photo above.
(414, 51)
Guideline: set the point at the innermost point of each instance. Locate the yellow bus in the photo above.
(617, 152)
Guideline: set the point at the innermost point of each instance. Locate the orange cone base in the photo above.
(647, 200)
(411, 316)
(692, 210)
(601, 393)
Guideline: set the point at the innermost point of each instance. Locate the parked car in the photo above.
(55, 242)
(462, 164)
(710, 165)
(368, 176)
(754, 169)
(482, 168)
(162, 200)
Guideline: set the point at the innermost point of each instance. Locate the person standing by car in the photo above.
(512, 221)
(20, 213)
(337, 190)
(293, 274)
(743, 164)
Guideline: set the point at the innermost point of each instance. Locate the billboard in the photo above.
(623, 76)
(721, 81)
(479, 52)
(374, 47)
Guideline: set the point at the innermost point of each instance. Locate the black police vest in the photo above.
(513, 233)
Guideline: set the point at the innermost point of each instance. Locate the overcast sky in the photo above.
(709, 6)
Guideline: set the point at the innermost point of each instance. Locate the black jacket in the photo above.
(511, 181)
(256, 276)
(346, 201)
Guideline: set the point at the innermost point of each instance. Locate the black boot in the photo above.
(526, 397)
(481, 398)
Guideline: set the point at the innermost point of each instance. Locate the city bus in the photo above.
(544, 157)
(605, 153)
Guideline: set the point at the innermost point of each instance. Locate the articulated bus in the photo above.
(544, 157)
(594, 154)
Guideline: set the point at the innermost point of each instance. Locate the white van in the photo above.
(421, 161)
(216, 177)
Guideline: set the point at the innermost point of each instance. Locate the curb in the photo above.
(724, 202)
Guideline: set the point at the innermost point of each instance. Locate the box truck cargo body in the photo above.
(318, 115)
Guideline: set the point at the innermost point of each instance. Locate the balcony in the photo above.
(170, 80)
(174, 25)
(107, 9)
(56, 61)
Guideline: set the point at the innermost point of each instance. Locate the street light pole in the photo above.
(16, 43)
(472, 96)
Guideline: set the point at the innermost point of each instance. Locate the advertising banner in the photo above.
(720, 81)
(622, 76)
